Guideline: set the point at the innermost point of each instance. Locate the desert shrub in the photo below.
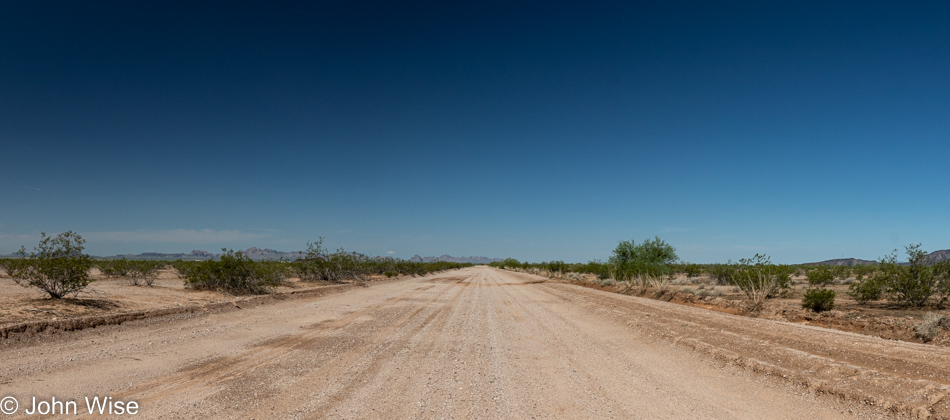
(819, 299)
(867, 290)
(233, 272)
(712, 292)
(942, 283)
(759, 279)
(608, 282)
(273, 272)
(11, 266)
(319, 265)
(873, 287)
(930, 325)
(692, 270)
(113, 268)
(841, 272)
(507, 263)
(595, 267)
(56, 266)
(820, 276)
(863, 270)
(913, 285)
(722, 273)
(182, 267)
(143, 272)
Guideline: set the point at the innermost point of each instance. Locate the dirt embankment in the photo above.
(879, 319)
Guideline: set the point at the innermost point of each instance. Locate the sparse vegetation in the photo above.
(917, 284)
(819, 299)
(56, 266)
(913, 285)
(722, 273)
(233, 272)
(143, 272)
(759, 279)
(931, 324)
(320, 265)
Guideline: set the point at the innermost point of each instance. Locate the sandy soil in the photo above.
(478, 343)
(106, 296)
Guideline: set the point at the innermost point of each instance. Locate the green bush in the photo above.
(647, 264)
(234, 273)
(320, 265)
(867, 290)
(56, 266)
(722, 273)
(692, 270)
(182, 267)
(820, 275)
(913, 285)
(872, 288)
(113, 268)
(819, 299)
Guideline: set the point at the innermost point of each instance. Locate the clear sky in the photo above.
(538, 131)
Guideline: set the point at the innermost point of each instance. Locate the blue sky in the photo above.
(539, 131)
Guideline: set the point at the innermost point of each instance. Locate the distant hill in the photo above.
(933, 257)
(449, 258)
(938, 256)
(848, 262)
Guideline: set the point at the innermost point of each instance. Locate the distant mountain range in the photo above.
(197, 255)
(449, 258)
(259, 254)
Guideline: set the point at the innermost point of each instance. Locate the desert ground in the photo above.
(472, 343)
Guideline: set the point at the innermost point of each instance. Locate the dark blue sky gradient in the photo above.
(540, 131)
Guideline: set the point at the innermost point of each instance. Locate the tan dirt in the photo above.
(479, 343)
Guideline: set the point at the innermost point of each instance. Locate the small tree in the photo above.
(56, 266)
(648, 263)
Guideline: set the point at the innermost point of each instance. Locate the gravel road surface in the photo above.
(479, 343)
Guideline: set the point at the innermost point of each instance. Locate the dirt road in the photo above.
(479, 343)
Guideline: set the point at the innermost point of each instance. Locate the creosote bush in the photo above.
(56, 266)
(233, 272)
(320, 265)
(917, 284)
(143, 272)
(819, 299)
